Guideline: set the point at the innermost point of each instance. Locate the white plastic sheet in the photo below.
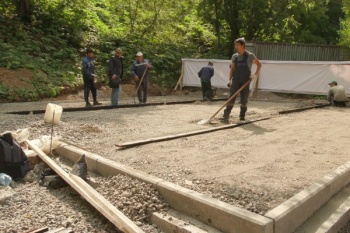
(277, 76)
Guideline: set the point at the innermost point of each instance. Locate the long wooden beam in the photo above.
(187, 134)
(303, 109)
(122, 222)
(107, 107)
(192, 133)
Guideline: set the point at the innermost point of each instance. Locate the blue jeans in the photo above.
(114, 96)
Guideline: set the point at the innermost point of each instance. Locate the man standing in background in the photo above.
(140, 70)
(115, 74)
(88, 70)
(205, 75)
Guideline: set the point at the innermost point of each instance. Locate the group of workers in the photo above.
(240, 74)
(140, 70)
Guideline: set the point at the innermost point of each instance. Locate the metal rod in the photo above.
(53, 119)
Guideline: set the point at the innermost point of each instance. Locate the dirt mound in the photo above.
(21, 78)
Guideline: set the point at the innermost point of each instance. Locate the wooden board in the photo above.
(303, 109)
(92, 196)
(39, 230)
(192, 133)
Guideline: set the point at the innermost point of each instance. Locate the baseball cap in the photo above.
(240, 40)
(139, 54)
(333, 82)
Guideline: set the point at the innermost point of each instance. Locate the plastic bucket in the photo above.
(53, 113)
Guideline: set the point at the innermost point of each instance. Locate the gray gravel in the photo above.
(345, 229)
(137, 200)
(36, 206)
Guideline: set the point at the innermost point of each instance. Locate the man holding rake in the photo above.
(240, 75)
(140, 70)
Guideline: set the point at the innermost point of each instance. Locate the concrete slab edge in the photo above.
(221, 215)
(337, 220)
(103, 166)
(293, 212)
(171, 224)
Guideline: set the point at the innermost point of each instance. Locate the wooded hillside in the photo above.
(48, 37)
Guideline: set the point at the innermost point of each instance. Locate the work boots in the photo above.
(224, 118)
(241, 119)
(88, 104)
(96, 103)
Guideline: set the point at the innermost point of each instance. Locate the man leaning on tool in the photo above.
(336, 95)
(140, 70)
(240, 73)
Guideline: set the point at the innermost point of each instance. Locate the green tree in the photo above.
(344, 30)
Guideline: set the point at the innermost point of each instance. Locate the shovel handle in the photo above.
(143, 75)
(230, 99)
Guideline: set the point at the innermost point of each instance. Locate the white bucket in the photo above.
(53, 113)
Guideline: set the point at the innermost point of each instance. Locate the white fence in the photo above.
(303, 77)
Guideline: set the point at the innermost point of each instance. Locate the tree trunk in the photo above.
(250, 23)
(231, 16)
(217, 25)
(24, 10)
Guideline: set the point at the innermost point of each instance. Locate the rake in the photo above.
(208, 121)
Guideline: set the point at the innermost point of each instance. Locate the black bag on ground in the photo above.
(13, 160)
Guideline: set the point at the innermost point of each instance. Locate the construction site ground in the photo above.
(256, 166)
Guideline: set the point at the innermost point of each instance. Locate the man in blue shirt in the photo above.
(205, 75)
(88, 70)
(140, 68)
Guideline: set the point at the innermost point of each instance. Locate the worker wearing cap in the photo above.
(205, 75)
(336, 95)
(88, 70)
(240, 73)
(140, 70)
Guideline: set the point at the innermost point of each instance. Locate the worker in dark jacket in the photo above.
(205, 75)
(115, 73)
(88, 70)
(140, 69)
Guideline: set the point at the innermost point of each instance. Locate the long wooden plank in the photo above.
(94, 198)
(40, 230)
(192, 133)
(303, 109)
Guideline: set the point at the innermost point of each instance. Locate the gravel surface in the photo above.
(256, 167)
(35, 206)
(345, 229)
(137, 200)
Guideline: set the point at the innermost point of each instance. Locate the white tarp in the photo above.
(277, 76)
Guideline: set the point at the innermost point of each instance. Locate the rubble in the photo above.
(137, 200)
(6, 192)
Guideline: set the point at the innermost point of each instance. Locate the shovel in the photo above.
(202, 122)
(140, 81)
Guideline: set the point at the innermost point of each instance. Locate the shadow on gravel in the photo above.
(257, 129)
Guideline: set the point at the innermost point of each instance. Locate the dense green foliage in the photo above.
(49, 36)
